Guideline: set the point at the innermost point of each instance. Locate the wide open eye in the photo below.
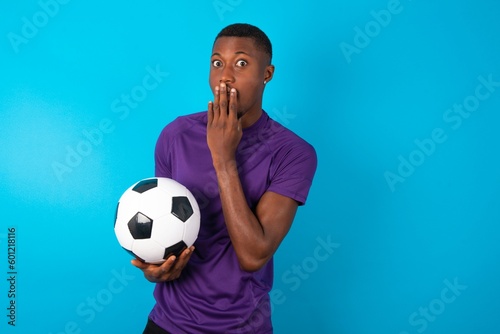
(216, 63)
(241, 63)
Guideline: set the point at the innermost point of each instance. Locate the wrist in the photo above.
(225, 166)
(223, 162)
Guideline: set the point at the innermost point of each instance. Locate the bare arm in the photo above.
(255, 235)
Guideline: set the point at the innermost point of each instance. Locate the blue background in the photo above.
(395, 247)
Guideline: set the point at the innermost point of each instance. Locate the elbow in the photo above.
(250, 268)
(252, 263)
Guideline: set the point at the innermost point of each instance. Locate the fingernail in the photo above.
(233, 91)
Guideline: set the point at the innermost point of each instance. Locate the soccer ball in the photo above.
(156, 218)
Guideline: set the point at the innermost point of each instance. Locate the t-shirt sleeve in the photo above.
(293, 171)
(162, 155)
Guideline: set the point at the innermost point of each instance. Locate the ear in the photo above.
(268, 73)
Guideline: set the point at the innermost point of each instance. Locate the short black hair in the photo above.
(247, 30)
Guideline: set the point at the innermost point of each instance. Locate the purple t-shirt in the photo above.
(213, 294)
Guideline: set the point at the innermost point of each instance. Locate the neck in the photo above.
(248, 120)
(251, 116)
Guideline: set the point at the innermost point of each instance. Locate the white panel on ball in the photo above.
(149, 250)
(156, 202)
(167, 230)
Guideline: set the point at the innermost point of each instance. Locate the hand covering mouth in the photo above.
(228, 90)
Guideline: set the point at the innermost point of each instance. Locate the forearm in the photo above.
(255, 233)
(245, 230)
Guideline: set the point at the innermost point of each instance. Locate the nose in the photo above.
(227, 75)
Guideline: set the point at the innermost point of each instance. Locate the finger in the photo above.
(216, 105)
(233, 114)
(168, 264)
(157, 273)
(183, 259)
(210, 112)
(239, 125)
(139, 264)
(187, 252)
(223, 100)
(151, 271)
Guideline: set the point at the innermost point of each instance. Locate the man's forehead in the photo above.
(234, 45)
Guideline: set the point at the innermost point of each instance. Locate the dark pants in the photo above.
(152, 328)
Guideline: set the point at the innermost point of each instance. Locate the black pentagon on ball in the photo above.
(181, 208)
(145, 185)
(176, 250)
(140, 226)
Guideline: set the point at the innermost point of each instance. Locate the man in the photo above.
(249, 174)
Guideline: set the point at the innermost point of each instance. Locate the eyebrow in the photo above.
(236, 53)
